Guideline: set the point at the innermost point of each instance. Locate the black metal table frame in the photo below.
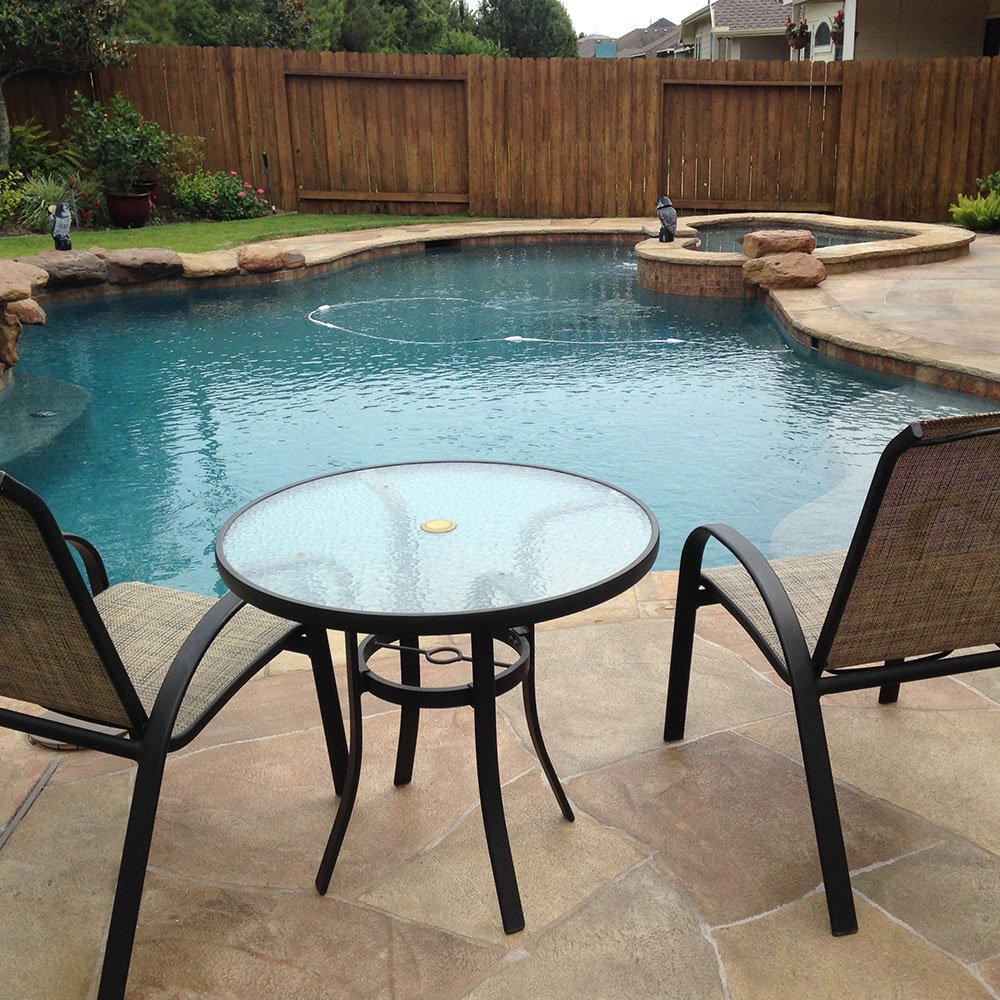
(512, 625)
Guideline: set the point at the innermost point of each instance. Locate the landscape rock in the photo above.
(785, 270)
(28, 311)
(69, 268)
(18, 281)
(261, 258)
(132, 267)
(771, 241)
(10, 330)
(99, 252)
(218, 264)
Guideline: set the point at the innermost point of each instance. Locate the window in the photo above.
(822, 34)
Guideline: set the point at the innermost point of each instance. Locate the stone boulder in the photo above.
(28, 311)
(262, 258)
(133, 267)
(785, 270)
(771, 241)
(218, 264)
(69, 268)
(19, 281)
(10, 330)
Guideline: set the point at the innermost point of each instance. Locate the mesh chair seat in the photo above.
(148, 624)
(808, 580)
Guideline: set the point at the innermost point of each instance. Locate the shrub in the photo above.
(116, 141)
(11, 194)
(989, 185)
(981, 213)
(221, 196)
(32, 151)
(38, 193)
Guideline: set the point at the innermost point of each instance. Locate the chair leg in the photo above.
(823, 801)
(484, 707)
(131, 875)
(329, 705)
(682, 646)
(888, 694)
(353, 773)
(535, 730)
(409, 716)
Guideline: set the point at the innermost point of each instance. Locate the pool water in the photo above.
(201, 401)
(729, 239)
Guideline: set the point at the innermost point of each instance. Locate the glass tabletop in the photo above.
(436, 539)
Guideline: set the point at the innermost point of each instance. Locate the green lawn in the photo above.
(198, 237)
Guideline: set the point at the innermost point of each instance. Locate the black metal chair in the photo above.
(155, 663)
(920, 581)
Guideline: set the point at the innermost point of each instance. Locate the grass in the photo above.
(199, 237)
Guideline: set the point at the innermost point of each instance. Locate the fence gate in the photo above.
(751, 145)
(379, 142)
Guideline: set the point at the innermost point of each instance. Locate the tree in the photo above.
(151, 21)
(61, 35)
(528, 27)
(259, 24)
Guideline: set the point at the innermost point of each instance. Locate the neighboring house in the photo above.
(596, 47)
(656, 41)
(888, 29)
(735, 29)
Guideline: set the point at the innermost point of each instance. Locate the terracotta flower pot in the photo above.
(128, 209)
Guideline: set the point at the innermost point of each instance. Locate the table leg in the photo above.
(409, 716)
(488, 772)
(535, 730)
(354, 688)
(329, 704)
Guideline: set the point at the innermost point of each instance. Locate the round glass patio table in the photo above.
(487, 549)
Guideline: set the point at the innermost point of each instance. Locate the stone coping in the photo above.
(904, 241)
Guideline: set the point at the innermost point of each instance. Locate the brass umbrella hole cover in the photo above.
(438, 525)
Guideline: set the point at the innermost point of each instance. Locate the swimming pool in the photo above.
(545, 354)
(729, 239)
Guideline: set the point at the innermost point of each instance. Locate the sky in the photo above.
(599, 17)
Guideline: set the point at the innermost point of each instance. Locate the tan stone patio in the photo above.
(690, 872)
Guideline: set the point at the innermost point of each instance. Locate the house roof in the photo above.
(665, 40)
(748, 15)
(641, 37)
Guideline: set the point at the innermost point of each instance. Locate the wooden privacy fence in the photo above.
(349, 132)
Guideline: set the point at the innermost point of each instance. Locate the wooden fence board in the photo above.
(564, 137)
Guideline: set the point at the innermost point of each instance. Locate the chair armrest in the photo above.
(794, 648)
(97, 575)
(185, 663)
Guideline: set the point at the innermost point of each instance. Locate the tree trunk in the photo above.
(4, 131)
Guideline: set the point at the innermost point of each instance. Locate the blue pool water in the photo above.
(729, 239)
(552, 355)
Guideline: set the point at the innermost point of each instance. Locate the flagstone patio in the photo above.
(690, 871)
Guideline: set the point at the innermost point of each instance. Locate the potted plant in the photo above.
(837, 28)
(121, 146)
(797, 35)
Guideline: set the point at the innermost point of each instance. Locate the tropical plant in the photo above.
(33, 151)
(223, 196)
(981, 213)
(60, 35)
(118, 144)
(38, 194)
(11, 194)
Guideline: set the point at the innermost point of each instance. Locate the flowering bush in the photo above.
(117, 142)
(222, 196)
(11, 194)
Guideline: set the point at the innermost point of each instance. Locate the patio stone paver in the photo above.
(962, 879)
(226, 943)
(634, 940)
(730, 820)
(949, 759)
(558, 864)
(787, 955)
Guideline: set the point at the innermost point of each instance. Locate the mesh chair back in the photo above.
(923, 571)
(54, 650)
